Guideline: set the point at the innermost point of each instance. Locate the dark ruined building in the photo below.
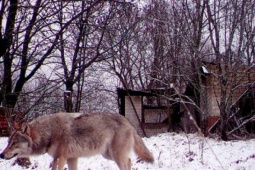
(160, 110)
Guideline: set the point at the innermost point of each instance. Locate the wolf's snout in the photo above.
(7, 157)
(2, 156)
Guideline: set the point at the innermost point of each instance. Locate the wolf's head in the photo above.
(19, 143)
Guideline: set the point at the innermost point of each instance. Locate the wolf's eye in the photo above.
(14, 143)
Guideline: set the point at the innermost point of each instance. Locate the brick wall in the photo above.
(4, 128)
(130, 113)
(155, 117)
(151, 116)
(239, 76)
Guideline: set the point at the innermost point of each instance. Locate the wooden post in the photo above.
(68, 103)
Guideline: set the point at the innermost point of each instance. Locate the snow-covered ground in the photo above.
(171, 151)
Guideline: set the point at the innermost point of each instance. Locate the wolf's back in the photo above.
(141, 150)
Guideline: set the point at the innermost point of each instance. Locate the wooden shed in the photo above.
(152, 113)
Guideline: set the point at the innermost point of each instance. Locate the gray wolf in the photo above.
(68, 136)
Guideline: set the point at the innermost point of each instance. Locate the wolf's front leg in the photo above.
(58, 163)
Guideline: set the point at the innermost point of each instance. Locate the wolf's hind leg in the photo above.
(107, 154)
(122, 159)
(121, 147)
(72, 163)
(58, 163)
(124, 163)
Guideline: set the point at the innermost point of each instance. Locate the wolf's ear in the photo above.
(16, 126)
(25, 128)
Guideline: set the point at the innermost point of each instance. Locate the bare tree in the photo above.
(28, 39)
(174, 40)
(21, 37)
(162, 43)
(84, 43)
(228, 23)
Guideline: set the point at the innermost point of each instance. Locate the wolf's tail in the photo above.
(141, 150)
